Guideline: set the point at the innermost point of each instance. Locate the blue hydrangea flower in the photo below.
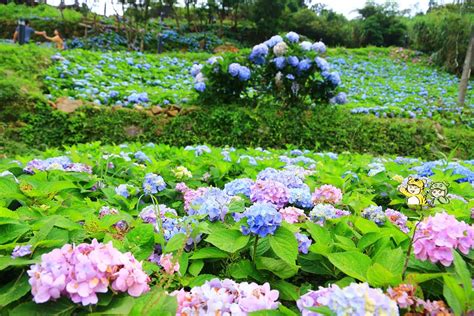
(293, 37)
(262, 219)
(304, 65)
(122, 190)
(332, 77)
(153, 183)
(305, 45)
(293, 61)
(198, 150)
(195, 69)
(244, 73)
(141, 157)
(290, 77)
(200, 86)
(234, 69)
(287, 177)
(213, 203)
(375, 214)
(319, 47)
(457, 169)
(301, 197)
(340, 98)
(258, 54)
(280, 62)
(303, 243)
(322, 64)
(239, 186)
(273, 41)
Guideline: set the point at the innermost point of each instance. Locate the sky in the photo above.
(346, 7)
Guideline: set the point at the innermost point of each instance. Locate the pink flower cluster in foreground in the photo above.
(226, 297)
(327, 194)
(80, 272)
(437, 236)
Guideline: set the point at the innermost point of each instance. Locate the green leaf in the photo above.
(155, 302)
(345, 243)
(323, 310)
(366, 226)
(196, 267)
(416, 278)
(379, 276)
(392, 260)
(176, 242)
(12, 229)
(267, 313)
(277, 266)
(4, 212)
(352, 263)
(142, 241)
(14, 290)
(454, 294)
(6, 262)
(288, 291)
(228, 240)
(242, 269)
(61, 307)
(209, 253)
(285, 245)
(118, 306)
(183, 262)
(322, 238)
(462, 271)
(368, 239)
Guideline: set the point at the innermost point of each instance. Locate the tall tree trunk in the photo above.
(466, 72)
(145, 30)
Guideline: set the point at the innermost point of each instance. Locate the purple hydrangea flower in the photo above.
(303, 243)
(375, 214)
(239, 186)
(21, 251)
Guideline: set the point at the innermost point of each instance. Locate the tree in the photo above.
(466, 72)
(267, 15)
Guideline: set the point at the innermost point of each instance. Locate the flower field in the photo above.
(383, 82)
(152, 229)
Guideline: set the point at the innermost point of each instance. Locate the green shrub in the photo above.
(323, 129)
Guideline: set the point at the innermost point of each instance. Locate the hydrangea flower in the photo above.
(271, 192)
(327, 194)
(293, 37)
(322, 212)
(290, 178)
(106, 210)
(292, 215)
(258, 54)
(340, 98)
(189, 194)
(280, 62)
(273, 41)
(239, 186)
(148, 213)
(182, 172)
(198, 150)
(234, 69)
(397, 219)
(80, 272)
(304, 65)
(262, 219)
(166, 261)
(141, 157)
(195, 69)
(226, 297)
(319, 47)
(437, 236)
(404, 295)
(21, 251)
(357, 299)
(293, 61)
(303, 243)
(56, 163)
(305, 45)
(214, 203)
(153, 183)
(280, 49)
(301, 197)
(123, 190)
(332, 77)
(200, 86)
(244, 73)
(375, 214)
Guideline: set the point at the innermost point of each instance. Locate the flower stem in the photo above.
(255, 248)
(410, 246)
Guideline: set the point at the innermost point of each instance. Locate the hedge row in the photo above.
(323, 129)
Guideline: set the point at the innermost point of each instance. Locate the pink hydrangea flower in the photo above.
(293, 215)
(397, 219)
(80, 272)
(270, 191)
(189, 194)
(226, 297)
(166, 261)
(438, 235)
(327, 194)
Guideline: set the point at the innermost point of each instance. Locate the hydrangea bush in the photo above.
(291, 70)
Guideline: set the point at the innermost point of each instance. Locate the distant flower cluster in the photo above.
(56, 163)
(81, 272)
(226, 297)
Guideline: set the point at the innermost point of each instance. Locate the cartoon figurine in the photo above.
(414, 191)
(438, 192)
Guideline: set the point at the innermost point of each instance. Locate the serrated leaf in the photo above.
(228, 240)
(285, 245)
(352, 263)
(209, 253)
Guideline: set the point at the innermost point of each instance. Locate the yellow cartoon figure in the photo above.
(414, 191)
